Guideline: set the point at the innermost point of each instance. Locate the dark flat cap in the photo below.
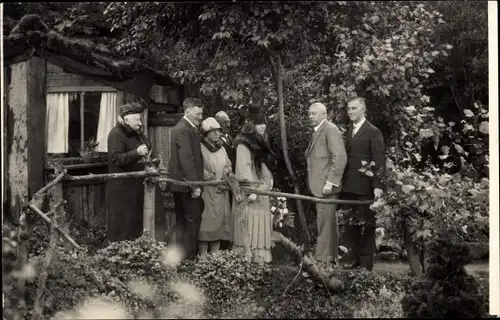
(130, 108)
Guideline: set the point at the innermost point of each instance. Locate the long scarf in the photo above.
(140, 134)
(259, 149)
(212, 147)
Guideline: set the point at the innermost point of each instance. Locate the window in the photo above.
(75, 117)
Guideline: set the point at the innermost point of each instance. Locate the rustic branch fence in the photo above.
(56, 218)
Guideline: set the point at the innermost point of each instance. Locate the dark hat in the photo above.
(130, 108)
(256, 114)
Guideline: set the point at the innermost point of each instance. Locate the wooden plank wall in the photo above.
(87, 202)
(160, 139)
(56, 77)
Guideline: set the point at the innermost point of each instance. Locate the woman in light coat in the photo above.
(254, 159)
(216, 164)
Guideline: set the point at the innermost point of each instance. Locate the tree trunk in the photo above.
(278, 73)
(331, 282)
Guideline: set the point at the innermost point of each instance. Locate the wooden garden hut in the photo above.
(59, 92)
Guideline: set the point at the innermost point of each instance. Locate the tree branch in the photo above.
(49, 186)
(329, 281)
(109, 176)
(301, 197)
(61, 232)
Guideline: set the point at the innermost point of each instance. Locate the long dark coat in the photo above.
(124, 197)
(186, 163)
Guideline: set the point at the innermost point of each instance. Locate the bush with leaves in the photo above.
(76, 275)
(229, 279)
(428, 202)
(448, 290)
(84, 234)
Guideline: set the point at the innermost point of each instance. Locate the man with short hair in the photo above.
(364, 144)
(225, 123)
(326, 160)
(227, 142)
(186, 164)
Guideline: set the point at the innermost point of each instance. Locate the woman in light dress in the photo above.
(254, 159)
(216, 164)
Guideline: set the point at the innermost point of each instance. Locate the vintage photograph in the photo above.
(249, 159)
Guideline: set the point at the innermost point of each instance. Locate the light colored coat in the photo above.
(217, 210)
(326, 158)
(259, 216)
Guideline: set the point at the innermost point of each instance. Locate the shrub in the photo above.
(75, 276)
(84, 234)
(447, 290)
(428, 202)
(229, 279)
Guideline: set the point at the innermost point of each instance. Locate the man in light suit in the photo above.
(364, 143)
(326, 159)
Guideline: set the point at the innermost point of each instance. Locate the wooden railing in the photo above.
(56, 218)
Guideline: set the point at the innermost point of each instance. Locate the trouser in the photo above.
(327, 245)
(188, 213)
(361, 230)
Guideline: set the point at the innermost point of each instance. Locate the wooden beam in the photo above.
(164, 119)
(26, 111)
(82, 120)
(81, 89)
(149, 210)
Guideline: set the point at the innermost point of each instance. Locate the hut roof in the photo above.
(87, 58)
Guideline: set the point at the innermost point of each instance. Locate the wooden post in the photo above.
(56, 196)
(26, 111)
(42, 279)
(149, 209)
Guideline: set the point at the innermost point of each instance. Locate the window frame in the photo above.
(79, 90)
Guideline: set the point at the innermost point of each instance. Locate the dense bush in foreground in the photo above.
(139, 276)
(447, 290)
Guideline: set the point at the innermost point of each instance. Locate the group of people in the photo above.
(203, 150)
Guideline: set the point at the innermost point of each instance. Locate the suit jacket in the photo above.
(186, 162)
(367, 145)
(326, 158)
(227, 143)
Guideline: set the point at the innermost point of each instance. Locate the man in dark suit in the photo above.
(186, 164)
(227, 142)
(364, 143)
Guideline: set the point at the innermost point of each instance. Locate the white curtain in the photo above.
(107, 120)
(57, 122)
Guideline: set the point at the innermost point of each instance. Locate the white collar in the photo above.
(359, 124)
(319, 125)
(189, 121)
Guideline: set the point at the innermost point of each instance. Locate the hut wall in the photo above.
(25, 145)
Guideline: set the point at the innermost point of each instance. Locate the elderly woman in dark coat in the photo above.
(127, 146)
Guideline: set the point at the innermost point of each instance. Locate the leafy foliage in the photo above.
(382, 51)
(429, 201)
(447, 291)
(461, 78)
